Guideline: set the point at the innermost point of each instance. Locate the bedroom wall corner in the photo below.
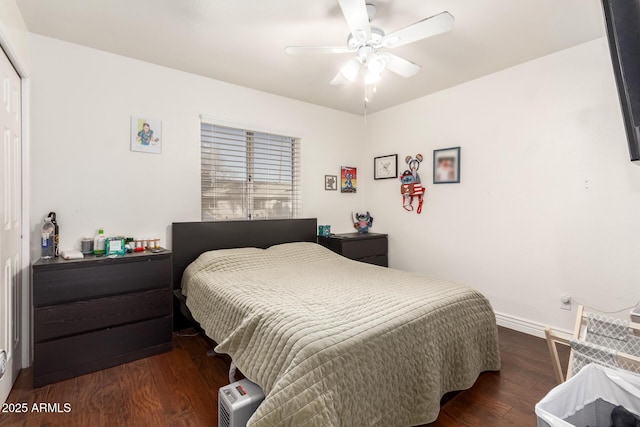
(548, 196)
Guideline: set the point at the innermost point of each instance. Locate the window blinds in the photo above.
(248, 175)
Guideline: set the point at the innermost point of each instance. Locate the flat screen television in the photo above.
(622, 19)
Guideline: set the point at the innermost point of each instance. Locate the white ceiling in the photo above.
(243, 42)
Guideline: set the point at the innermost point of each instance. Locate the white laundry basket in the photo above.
(588, 398)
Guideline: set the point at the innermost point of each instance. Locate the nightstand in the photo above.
(369, 247)
(97, 312)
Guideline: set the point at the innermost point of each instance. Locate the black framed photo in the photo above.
(446, 166)
(385, 167)
(331, 182)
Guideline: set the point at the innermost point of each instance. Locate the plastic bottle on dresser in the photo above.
(100, 243)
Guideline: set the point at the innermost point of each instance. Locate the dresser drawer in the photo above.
(67, 357)
(63, 320)
(355, 249)
(59, 285)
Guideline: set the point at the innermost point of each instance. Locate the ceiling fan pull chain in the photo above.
(366, 100)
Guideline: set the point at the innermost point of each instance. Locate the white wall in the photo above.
(549, 201)
(546, 205)
(82, 168)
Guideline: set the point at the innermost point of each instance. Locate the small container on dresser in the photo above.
(365, 247)
(98, 312)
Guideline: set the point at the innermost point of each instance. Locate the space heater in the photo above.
(237, 402)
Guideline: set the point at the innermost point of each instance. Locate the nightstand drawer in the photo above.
(370, 247)
(381, 260)
(63, 320)
(356, 249)
(59, 285)
(77, 355)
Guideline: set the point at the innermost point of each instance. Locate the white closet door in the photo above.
(10, 226)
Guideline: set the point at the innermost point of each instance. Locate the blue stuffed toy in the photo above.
(362, 222)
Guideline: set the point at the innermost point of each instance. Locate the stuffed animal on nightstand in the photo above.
(362, 222)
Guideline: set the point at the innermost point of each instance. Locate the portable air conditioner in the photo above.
(237, 402)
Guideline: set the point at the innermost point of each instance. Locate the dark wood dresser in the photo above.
(97, 312)
(370, 247)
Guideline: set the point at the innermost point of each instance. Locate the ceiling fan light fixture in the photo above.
(371, 77)
(376, 63)
(365, 41)
(350, 70)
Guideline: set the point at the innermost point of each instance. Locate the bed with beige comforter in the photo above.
(335, 342)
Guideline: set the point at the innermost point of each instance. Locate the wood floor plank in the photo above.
(202, 397)
(116, 406)
(171, 393)
(213, 369)
(22, 392)
(87, 399)
(146, 406)
(180, 388)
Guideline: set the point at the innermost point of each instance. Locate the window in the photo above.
(248, 175)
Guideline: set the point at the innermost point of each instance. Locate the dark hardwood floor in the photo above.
(180, 388)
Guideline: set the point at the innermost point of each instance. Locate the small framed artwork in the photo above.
(146, 135)
(348, 179)
(331, 182)
(385, 167)
(446, 166)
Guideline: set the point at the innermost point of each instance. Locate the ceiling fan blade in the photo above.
(355, 12)
(401, 66)
(306, 50)
(338, 80)
(428, 27)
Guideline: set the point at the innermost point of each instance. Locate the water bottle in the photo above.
(47, 241)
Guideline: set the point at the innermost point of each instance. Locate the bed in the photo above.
(332, 342)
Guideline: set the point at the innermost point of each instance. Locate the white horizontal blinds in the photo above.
(223, 173)
(273, 176)
(248, 175)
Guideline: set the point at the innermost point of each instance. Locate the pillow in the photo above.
(301, 252)
(236, 259)
(246, 259)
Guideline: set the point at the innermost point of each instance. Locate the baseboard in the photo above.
(525, 326)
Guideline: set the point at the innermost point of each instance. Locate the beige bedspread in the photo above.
(334, 342)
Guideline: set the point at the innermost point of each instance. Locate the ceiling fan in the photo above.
(369, 43)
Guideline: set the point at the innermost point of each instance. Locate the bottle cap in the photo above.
(100, 231)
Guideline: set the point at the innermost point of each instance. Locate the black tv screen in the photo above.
(622, 19)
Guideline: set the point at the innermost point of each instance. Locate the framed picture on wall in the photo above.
(446, 166)
(385, 167)
(146, 135)
(331, 182)
(348, 179)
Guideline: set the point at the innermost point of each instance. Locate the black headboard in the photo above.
(190, 239)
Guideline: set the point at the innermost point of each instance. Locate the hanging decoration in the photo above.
(411, 186)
